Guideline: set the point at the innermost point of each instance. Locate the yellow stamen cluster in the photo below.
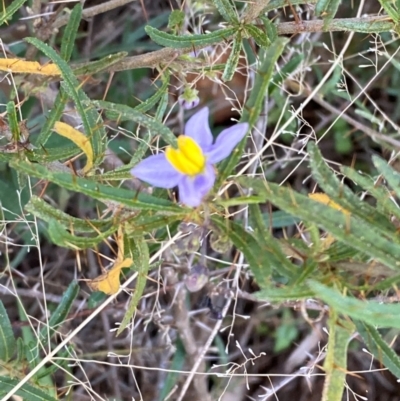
(188, 159)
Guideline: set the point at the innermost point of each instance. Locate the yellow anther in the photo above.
(188, 158)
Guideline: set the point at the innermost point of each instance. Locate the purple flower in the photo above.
(190, 167)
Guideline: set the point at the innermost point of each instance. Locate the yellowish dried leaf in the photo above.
(109, 282)
(17, 65)
(79, 139)
(326, 200)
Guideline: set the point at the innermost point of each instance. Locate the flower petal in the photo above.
(197, 128)
(157, 171)
(226, 142)
(193, 189)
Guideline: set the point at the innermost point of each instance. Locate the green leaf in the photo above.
(327, 9)
(279, 219)
(370, 312)
(60, 314)
(390, 10)
(7, 339)
(335, 364)
(275, 255)
(253, 106)
(26, 392)
(347, 228)
(10, 10)
(92, 121)
(121, 112)
(177, 364)
(41, 209)
(381, 193)
(260, 37)
(270, 29)
(61, 237)
(70, 32)
(391, 175)
(47, 155)
(355, 25)
(379, 347)
(342, 195)
(94, 67)
(99, 191)
(13, 121)
(233, 59)
(152, 100)
(176, 19)
(185, 41)
(286, 293)
(227, 10)
(254, 252)
(54, 115)
(136, 249)
(147, 221)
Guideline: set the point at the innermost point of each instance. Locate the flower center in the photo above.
(188, 159)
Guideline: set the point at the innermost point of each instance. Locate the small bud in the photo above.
(189, 99)
(191, 242)
(219, 242)
(197, 278)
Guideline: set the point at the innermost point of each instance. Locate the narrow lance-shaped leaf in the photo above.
(327, 9)
(370, 312)
(10, 10)
(273, 294)
(275, 255)
(233, 59)
(340, 193)
(92, 122)
(121, 112)
(54, 115)
(260, 37)
(226, 9)
(380, 193)
(7, 339)
(251, 248)
(43, 210)
(185, 41)
(335, 364)
(347, 228)
(379, 347)
(48, 155)
(27, 392)
(61, 312)
(176, 20)
(254, 104)
(94, 67)
(391, 175)
(363, 26)
(152, 100)
(13, 121)
(139, 252)
(270, 29)
(61, 237)
(70, 32)
(100, 191)
(390, 10)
